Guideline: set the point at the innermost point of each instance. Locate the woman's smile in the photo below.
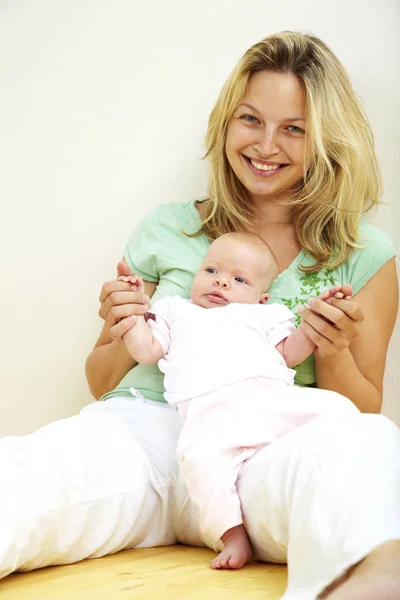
(263, 168)
(266, 145)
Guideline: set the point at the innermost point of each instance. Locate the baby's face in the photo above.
(232, 271)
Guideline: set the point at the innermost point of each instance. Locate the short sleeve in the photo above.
(364, 262)
(278, 323)
(142, 249)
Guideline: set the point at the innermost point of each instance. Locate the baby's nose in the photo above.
(221, 281)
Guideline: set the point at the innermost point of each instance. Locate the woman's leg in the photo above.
(89, 485)
(324, 496)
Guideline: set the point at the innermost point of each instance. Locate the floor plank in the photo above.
(167, 573)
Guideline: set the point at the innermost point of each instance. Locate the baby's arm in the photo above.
(295, 348)
(139, 340)
(298, 346)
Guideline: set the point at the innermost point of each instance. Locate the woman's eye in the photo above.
(294, 129)
(210, 270)
(249, 118)
(240, 280)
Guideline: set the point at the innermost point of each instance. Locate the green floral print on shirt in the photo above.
(312, 284)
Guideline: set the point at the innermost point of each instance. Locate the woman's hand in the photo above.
(121, 299)
(332, 321)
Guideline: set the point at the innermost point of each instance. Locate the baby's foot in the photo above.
(237, 551)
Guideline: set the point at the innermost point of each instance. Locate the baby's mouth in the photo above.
(217, 297)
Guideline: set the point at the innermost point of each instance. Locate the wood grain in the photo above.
(166, 573)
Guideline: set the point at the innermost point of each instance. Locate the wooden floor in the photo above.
(166, 573)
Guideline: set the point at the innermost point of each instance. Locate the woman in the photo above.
(292, 160)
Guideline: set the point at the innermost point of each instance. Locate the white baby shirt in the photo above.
(208, 348)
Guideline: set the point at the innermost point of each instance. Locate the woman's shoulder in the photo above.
(166, 222)
(373, 251)
(174, 215)
(160, 244)
(371, 236)
(294, 286)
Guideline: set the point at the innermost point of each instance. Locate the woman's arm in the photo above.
(138, 339)
(351, 354)
(110, 361)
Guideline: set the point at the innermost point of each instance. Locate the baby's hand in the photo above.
(341, 292)
(136, 282)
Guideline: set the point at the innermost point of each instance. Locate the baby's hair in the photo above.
(253, 240)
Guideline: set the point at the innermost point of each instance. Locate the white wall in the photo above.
(104, 106)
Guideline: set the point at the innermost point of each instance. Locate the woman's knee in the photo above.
(369, 432)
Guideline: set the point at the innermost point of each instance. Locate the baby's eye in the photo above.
(210, 270)
(240, 280)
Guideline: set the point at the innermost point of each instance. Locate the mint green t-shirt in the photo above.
(158, 250)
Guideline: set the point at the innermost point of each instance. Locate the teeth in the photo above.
(264, 167)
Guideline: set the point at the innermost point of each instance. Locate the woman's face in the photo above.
(265, 144)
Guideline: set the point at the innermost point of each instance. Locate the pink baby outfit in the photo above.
(235, 393)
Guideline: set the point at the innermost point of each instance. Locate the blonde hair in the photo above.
(344, 178)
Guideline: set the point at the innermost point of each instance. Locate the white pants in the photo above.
(226, 427)
(322, 496)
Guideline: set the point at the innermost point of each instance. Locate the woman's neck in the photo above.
(269, 214)
(273, 221)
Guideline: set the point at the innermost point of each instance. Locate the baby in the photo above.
(229, 373)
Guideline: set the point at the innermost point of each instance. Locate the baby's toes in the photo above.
(234, 563)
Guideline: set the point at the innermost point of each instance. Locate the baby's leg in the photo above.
(210, 460)
(237, 551)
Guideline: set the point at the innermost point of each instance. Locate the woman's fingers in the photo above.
(122, 311)
(118, 330)
(331, 326)
(113, 286)
(337, 310)
(324, 346)
(336, 291)
(348, 307)
(137, 302)
(124, 269)
(328, 330)
(347, 289)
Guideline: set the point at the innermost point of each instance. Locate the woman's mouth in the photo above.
(263, 169)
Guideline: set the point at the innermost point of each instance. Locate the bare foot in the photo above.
(237, 551)
(377, 577)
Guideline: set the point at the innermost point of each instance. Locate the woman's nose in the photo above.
(267, 145)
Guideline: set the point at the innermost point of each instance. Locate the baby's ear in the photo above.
(264, 298)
